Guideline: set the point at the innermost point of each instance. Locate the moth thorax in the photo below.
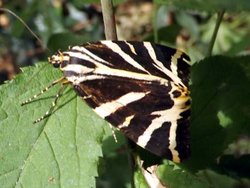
(59, 60)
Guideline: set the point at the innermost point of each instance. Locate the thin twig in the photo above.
(25, 25)
(216, 29)
(155, 23)
(109, 20)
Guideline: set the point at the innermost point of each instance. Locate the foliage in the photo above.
(74, 146)
(51, 152)
(210, 6)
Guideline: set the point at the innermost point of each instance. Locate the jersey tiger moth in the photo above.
(140, 88)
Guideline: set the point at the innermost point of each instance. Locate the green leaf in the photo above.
(237, 165)
(115, 171)
(227, 36)
(114, 161)
(166, 34)
(62, 150)
(63, 40)
(139, 179)
(79, 3)
(174, 177)
(220, 107)
(241, 46)
(188, 22)
(211, 6)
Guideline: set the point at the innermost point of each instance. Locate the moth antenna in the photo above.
(87, 97)
(113, 133)
(31, 99)
(25, 25)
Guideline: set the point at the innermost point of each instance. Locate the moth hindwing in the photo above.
(140, 88)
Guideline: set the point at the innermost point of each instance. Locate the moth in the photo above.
(140, 88)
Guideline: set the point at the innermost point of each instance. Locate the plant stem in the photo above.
(155, 24)
(109, 20)
(216, 29)
(25, 25)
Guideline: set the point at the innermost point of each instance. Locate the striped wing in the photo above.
(139, 87)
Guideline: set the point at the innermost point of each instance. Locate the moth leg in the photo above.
(31, 99)
(113, 133)
(53, 104)
(87, 97)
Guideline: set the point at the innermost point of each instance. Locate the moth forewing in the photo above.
(140, 88)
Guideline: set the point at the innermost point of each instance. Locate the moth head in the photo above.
(59, 60)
